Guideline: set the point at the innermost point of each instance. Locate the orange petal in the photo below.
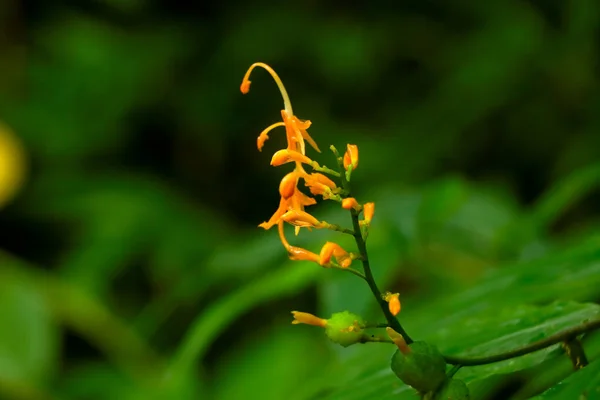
(285, 156)
(301, 127)
(277, 216)
(322, 179)
(308, 319)
(300, 254)
(341, 256)
(301, 218)
(299, 200)
(326, 253)
(318, 189)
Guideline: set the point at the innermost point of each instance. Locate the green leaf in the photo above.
(498, 314)
(29, 336)
(583, 384)
(514, 327)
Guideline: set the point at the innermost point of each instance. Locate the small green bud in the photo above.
(423, 367)
(345, 328)
(454, 389)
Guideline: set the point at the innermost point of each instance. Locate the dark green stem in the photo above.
(338, 228)
(362, 248)
(566, 335)
(353, 271)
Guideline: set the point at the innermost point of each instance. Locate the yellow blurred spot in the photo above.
(12, 164)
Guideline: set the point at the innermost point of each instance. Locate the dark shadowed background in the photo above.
(131, 262)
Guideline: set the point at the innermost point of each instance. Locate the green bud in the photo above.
(345, 328)
(423, 367)
(454, 389)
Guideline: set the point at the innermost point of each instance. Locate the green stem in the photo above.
(338, 228)
(565, 335)
(362, 248)
(324, 169)
(353, 271)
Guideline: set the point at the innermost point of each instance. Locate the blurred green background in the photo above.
(131, 263)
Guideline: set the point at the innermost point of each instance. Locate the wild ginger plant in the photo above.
(417, 363)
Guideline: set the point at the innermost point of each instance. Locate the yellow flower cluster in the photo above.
(293, 201)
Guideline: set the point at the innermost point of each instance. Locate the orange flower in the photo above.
(296, 253)
(350, 203)
(296, 129)
(285, 156)
(302, 219)
(300, 254)
(351, 156)
(308, 319)
(393, 300)
(319, 184)
(369, 210)
(297, 201)
(293, 201)
(342, 257)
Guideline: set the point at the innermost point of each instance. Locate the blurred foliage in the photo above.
(131, 187)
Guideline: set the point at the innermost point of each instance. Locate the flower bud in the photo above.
(423, 367)
(369, 211)
(351, 157)
(349, 203)
(287, 187)
(345, 328)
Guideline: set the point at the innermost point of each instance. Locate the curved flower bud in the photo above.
(285, 156)
(308, 319)
(351, 156)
